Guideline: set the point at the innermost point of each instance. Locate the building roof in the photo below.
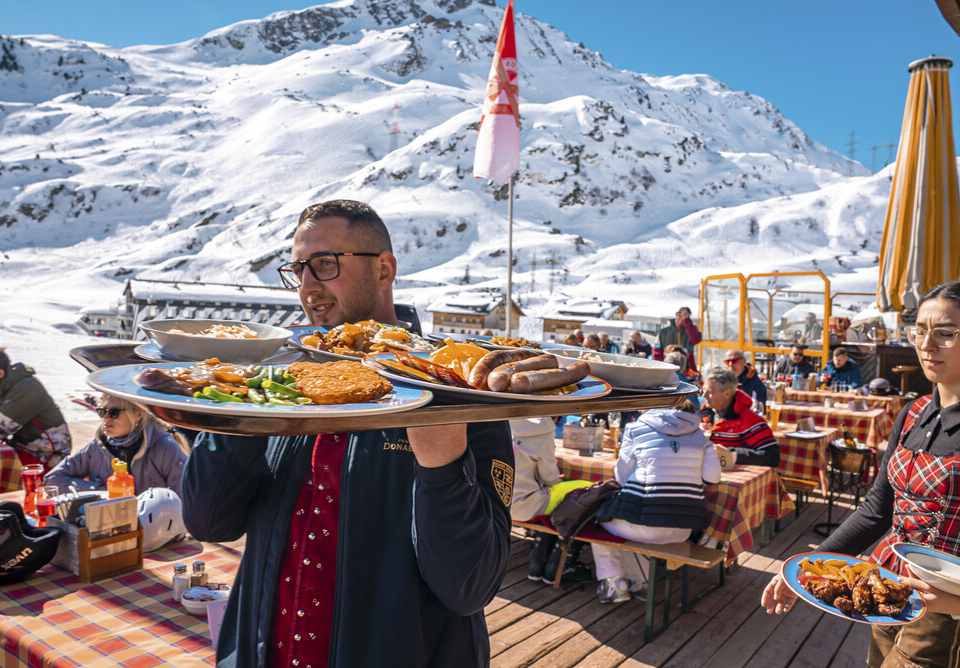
(585, 309)
(469, 303)
(143, 289)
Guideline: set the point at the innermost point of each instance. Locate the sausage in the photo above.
(499, 378)
(526, 382)
(493, 359)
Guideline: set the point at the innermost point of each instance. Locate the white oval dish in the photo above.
(620, 370)
(193, 347)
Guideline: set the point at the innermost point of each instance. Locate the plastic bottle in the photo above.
(198, 577)
(120, 483)
(180, 581)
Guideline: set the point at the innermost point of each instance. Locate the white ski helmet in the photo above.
(161, 516)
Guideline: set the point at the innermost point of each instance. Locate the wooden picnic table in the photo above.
(440, 411)
(54, 619)
(10, 469)
(892, 403)
(746, 498)
(804, 457)
(871, 426)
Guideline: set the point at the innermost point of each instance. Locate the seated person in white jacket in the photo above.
(537, 485)
(154, 456)
(664, 462)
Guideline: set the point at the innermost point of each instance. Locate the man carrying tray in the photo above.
(372, 548)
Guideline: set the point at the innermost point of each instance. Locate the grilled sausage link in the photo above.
(499, 378)
(493, 359)
(526, 382)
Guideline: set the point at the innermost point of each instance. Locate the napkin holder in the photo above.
(108, 553)
(806, 424)
(586, 440)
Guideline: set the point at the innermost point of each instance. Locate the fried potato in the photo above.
(458, 357)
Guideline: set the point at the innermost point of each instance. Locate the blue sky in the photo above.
(831, 66)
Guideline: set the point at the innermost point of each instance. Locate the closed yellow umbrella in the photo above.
(921, 234)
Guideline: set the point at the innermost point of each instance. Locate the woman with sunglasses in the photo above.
(916, 496)
(154, 456)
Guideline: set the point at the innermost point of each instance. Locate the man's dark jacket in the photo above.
(786, 368)
(420, 551)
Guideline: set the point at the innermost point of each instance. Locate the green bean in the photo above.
(201, 395)
(217, 395)
(258, 379)
(280, 389)
(255, 396)
(281, 402)
(289, 380)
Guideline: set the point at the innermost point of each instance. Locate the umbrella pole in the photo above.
(508, 304)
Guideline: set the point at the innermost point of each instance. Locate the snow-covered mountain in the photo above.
(192, 161)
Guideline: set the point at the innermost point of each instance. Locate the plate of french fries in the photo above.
(852, 588)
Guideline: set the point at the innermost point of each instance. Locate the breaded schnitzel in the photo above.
(342, 382)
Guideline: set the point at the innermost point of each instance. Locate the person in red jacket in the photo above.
(732, 424)
(683, 332)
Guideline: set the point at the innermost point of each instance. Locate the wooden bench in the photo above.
(674, 556)
(802, 488)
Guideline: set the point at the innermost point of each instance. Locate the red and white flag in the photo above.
(498, 143)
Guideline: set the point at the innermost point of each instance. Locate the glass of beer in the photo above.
(613, 421)
(30, 477)
(46, 501)
(774, 415)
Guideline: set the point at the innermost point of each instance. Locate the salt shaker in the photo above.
(180, 581)
(198, 577)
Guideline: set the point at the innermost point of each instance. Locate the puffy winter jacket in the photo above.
(29, 418)
(739, 429)
(536, 466)
(158, 463)
(849, 373)
(749, 381)
(664, 461)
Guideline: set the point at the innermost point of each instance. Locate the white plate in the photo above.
(936, 568)
(648, 390)
(588, 388)
(151, 351)
(120, 382)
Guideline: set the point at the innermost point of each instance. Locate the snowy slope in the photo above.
(193, 160)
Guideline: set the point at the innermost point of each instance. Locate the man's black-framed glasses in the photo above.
(324, 266)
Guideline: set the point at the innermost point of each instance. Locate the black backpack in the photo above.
(579, 508)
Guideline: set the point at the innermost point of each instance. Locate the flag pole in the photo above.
(509, 301)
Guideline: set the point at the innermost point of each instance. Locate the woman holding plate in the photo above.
(916, 496)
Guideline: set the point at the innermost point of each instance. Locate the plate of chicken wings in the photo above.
(852, 588)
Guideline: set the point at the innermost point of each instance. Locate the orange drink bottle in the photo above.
(120, 483)
(30, 477)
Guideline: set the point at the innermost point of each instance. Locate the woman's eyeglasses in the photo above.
(943, 337)
(112, 413)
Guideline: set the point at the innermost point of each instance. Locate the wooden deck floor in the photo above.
(532, 624)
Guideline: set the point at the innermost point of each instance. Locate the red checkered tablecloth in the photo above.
(53, 619)
(871, 426)
(805, 458)
(743, 499)
(10, 469)
(891, 404)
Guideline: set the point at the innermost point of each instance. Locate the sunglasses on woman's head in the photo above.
(112, 413)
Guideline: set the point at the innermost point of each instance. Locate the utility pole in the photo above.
(851, 150)
(873, 159)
